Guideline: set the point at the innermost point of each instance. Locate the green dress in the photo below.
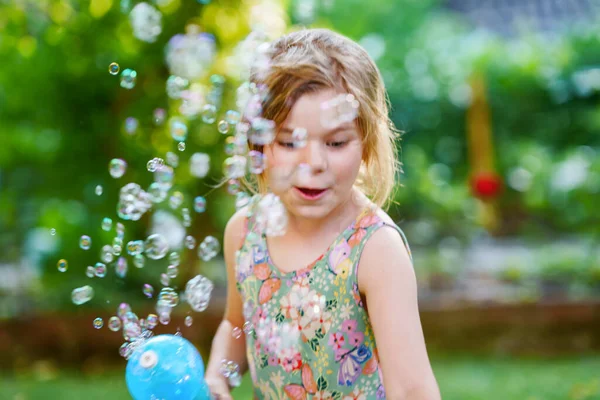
(308, 334)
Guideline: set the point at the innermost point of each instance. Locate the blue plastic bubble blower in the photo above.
(166, 367)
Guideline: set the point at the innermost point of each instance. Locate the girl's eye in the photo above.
(337, 144)
(289, 145)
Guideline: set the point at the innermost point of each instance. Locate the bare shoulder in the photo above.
(384, 256)
(235, 230)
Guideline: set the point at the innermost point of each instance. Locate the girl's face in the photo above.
(314, 179)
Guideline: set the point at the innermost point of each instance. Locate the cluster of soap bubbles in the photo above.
(133, 202)
(231, 371)
(277, 339)
(146, 22)
(190, 55)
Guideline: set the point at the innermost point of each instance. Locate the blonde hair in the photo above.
(311, 60)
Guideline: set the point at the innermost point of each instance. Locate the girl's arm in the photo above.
(387, 280)
(224, 345)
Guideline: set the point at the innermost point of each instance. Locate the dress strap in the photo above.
(365, 229)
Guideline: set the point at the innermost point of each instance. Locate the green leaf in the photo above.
(314, 344)
(330, 304)
(336, 395)
(264, 360)
(322, 383)
(319, 334)
(279, 317)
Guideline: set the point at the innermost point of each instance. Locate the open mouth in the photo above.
(310, 193)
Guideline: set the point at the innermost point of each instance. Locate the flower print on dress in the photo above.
(308, 386)
(290, 359)
(356, 394)
(269, 285)
(339, 258)
(350, 364)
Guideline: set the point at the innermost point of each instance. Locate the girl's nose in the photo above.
(315, 156)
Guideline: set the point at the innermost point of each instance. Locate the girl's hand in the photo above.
(219, 389)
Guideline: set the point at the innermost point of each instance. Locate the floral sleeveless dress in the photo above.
(319, 309)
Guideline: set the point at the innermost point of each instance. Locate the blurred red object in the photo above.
(486, 185)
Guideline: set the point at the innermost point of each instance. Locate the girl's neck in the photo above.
(339, 218)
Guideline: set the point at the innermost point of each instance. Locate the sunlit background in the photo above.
(498, 102)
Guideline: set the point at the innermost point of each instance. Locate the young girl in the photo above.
(329, 307)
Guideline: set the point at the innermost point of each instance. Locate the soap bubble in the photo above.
(126, 350)
(139, 261)
(164, 318)
(98, 323)
(106, 254)
(151, 321)
(146, 22)
(199, 165)
(247, 328)
(148, 290)
(223, 127)
(256, 162)
(98, 190)
(187, 219)
(120, 231)
(156, 246)
(133, 202)
(131, 125)
(271, 215)
(121, 267)
(235, 167)
(209, 248)
(82, 294)
(128, 78)
(158, 116)
(299, 136)
(163, 176)
(262, 132)
(175, 86)
(62, 265)
(174, 258)
(106, 224)
(114, 324)
(188, 321)
(113, 68)
(152, 165)
(340, 109)
(172, 271)
(85, 242)
(232, 117)
(164, 279)
(167, 299)
(176, 200)
(233, 186)
(100, 270)
(117, 246)
(241, 200)
(197, 292)
(131, 330)
(236, 333)
(90, 272)
(199, 204)
(52, 231)
(209, 113)
(190, 242)
(230, 145)
(172, 159)
(178, 129)
(190, 55)
(135, 247)
(123, 309)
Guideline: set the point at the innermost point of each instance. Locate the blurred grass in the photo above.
(459, 377)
